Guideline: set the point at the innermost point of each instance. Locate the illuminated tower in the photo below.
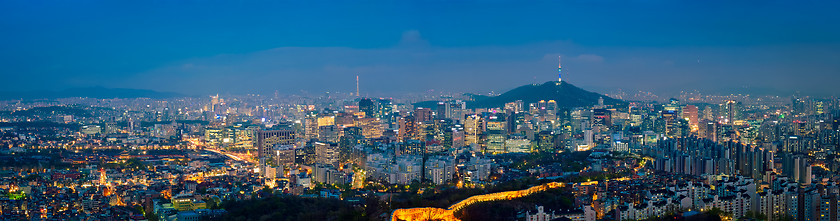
(357, 86)
(559, 70)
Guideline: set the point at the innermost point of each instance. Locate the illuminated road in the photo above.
(234, 157)
(429, 213)
(196, 143)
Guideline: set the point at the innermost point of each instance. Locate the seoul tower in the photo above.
(559, 70)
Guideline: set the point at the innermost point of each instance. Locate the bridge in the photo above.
(429, 213)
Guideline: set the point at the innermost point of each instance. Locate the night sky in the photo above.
(204, 47)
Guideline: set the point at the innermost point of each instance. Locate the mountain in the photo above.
(565, 94)
(91, 92)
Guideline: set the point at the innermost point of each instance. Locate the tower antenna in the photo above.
(559, 70)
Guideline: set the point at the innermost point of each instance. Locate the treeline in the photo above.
(40, 124)
(298, 208)
(553, 200)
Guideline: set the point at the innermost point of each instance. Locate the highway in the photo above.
(234, 157)
(197, 143)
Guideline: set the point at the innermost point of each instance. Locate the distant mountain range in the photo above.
(91, 92)
(565, 94)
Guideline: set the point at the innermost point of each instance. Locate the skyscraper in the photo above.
(551, 111)
(496, 134)
(690, 113)
(326, 153)
(443, 110)
(310, 126)
(408, 129)
(422, 114)
(368, 106)
(729, 112)
(473, 127)
(385, 108)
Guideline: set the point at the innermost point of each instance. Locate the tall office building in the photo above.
(545, 141)
(408, 128)
(443, 110)
(514, 107)
(367, 106)
(551, 111)
(310, 126)
(496, 135)
(326, 153)
(690, 113)
(729, 112)
(422, 114)
(371, 127)
(708, 113)
(601, 118)
(473, 128)
(285, 154)
(708, 130)
(352, 137)
(669, 118)
(267, 139)
(385, 112)
(214, 101)
(454, 137)
(329, 133)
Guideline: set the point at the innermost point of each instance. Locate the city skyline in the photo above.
(419, 110)
(661, 47)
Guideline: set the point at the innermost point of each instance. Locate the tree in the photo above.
(755, 215)
(414, 186)
(152, 217)
(267, 190)
(212, 204)
(786, 217)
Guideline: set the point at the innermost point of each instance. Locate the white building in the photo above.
(584, 214)
(440, 169)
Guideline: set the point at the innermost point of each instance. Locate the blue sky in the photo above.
(203, 47)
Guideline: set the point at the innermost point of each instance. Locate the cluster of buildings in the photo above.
(737, 156)
(124, 187)
(769, 159)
